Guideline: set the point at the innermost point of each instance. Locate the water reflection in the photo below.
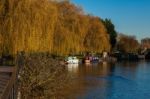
(110, 81)
(73, 68)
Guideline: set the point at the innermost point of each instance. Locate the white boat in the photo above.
(72, 60)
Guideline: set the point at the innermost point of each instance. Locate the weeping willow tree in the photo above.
(54, 26)
(66, 34)
(76, 32)
(96, 39)
(27, 25)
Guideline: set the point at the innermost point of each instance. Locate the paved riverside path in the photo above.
(5, 75)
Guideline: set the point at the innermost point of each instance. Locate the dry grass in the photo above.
(43, 78)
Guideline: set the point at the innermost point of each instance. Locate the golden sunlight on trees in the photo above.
(127, 43)
(96, 38)
(49, 26)
(27, 25)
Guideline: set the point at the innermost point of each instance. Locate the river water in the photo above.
(122, 80)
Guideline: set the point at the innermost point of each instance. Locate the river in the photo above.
(122, 80)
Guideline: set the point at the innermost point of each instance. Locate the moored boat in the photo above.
(72, 60)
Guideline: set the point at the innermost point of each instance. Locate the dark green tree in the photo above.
(111, 31)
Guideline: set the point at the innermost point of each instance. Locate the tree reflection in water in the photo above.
(107, 80)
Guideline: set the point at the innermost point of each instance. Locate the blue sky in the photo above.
(131, 17)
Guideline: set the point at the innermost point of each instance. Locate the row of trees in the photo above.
(50, 26)
(127, 44)
(145, 43)
(58, 27)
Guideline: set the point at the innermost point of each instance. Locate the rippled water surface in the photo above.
(124, 80)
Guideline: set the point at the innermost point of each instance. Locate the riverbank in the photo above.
(114, 57)
(42, 76)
